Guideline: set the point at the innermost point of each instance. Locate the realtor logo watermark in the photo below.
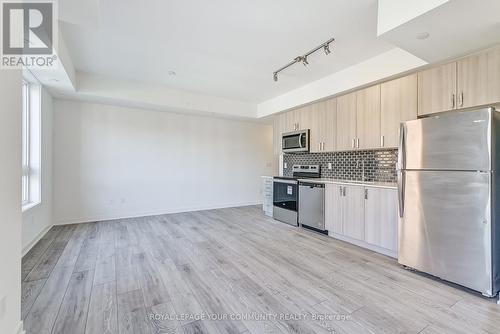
(29, 34)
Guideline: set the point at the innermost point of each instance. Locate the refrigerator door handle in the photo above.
(401, 193)
(400, 169)
(401, 148)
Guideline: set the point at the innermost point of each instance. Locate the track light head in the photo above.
(275, 76)
(326, 48)
(304, 61)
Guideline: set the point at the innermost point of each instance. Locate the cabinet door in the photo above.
(437, 89)
(398, 104)
(381, 218)
(346, 121)
(353, 212)
(368, 117)
(291, 121)
(277, 134)
(316, 114)
(479, 79)
(329, 125)
(333, 208)
(279, 127)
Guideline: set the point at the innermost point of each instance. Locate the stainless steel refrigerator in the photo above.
(448, 201)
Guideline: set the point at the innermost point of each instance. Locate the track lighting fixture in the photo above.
(303, 59)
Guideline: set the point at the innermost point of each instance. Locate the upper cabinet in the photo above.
(298, 119)
(322, 121)
(469, 82)
(398, 104)
(279, 127)
(346, 122)
(368, 118)
(479, 79)
(437, 89)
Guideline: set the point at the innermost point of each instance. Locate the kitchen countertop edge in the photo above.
(389, 185)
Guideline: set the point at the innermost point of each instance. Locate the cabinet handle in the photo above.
(382, 143)
(453, 101)
(366, 193)
(344, 192)
(353, 143)
(340, 188)
(357, 142)
(323, 146)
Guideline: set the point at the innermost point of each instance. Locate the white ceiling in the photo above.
(227, 48)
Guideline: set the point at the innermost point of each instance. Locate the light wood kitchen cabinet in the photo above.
(333, 208)
(368, 118)
(398, 100)
(279, 127)
(437, 89)
(381, 218)
(353, 216)
(322, 123)
(479, 79)
(298, 119)
(346, 122)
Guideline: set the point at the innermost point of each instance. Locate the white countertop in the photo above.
(390, 185)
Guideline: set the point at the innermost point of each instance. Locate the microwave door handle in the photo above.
(300, 140)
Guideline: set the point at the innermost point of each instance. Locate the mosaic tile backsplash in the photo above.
(379, 165)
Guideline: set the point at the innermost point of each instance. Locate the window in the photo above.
(31, 145)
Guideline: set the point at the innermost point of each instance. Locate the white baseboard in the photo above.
(366, 245)
(33, 242)
(154, 213)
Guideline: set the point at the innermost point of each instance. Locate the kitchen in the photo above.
(349, 169)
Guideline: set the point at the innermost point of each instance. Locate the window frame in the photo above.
(31, 143)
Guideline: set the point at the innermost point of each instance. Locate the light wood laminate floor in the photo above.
(242, 270)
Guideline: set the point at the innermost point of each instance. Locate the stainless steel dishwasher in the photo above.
(312, 205)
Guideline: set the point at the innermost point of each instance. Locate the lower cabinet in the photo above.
(353, 216)
(381, 218)
(365, 216)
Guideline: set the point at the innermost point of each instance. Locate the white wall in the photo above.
(10, 200)
(114, 162)
(393, 13)
(38, 219)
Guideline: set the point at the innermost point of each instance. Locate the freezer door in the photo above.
(446, 226)
(451, 141)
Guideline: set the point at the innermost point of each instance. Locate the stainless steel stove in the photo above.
(286, 193)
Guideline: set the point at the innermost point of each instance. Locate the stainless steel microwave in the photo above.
(296, 141)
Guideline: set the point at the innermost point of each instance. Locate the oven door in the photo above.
(285, 194)
(297, 141)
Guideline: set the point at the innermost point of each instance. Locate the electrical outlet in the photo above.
(330, 165)
(285, 165)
